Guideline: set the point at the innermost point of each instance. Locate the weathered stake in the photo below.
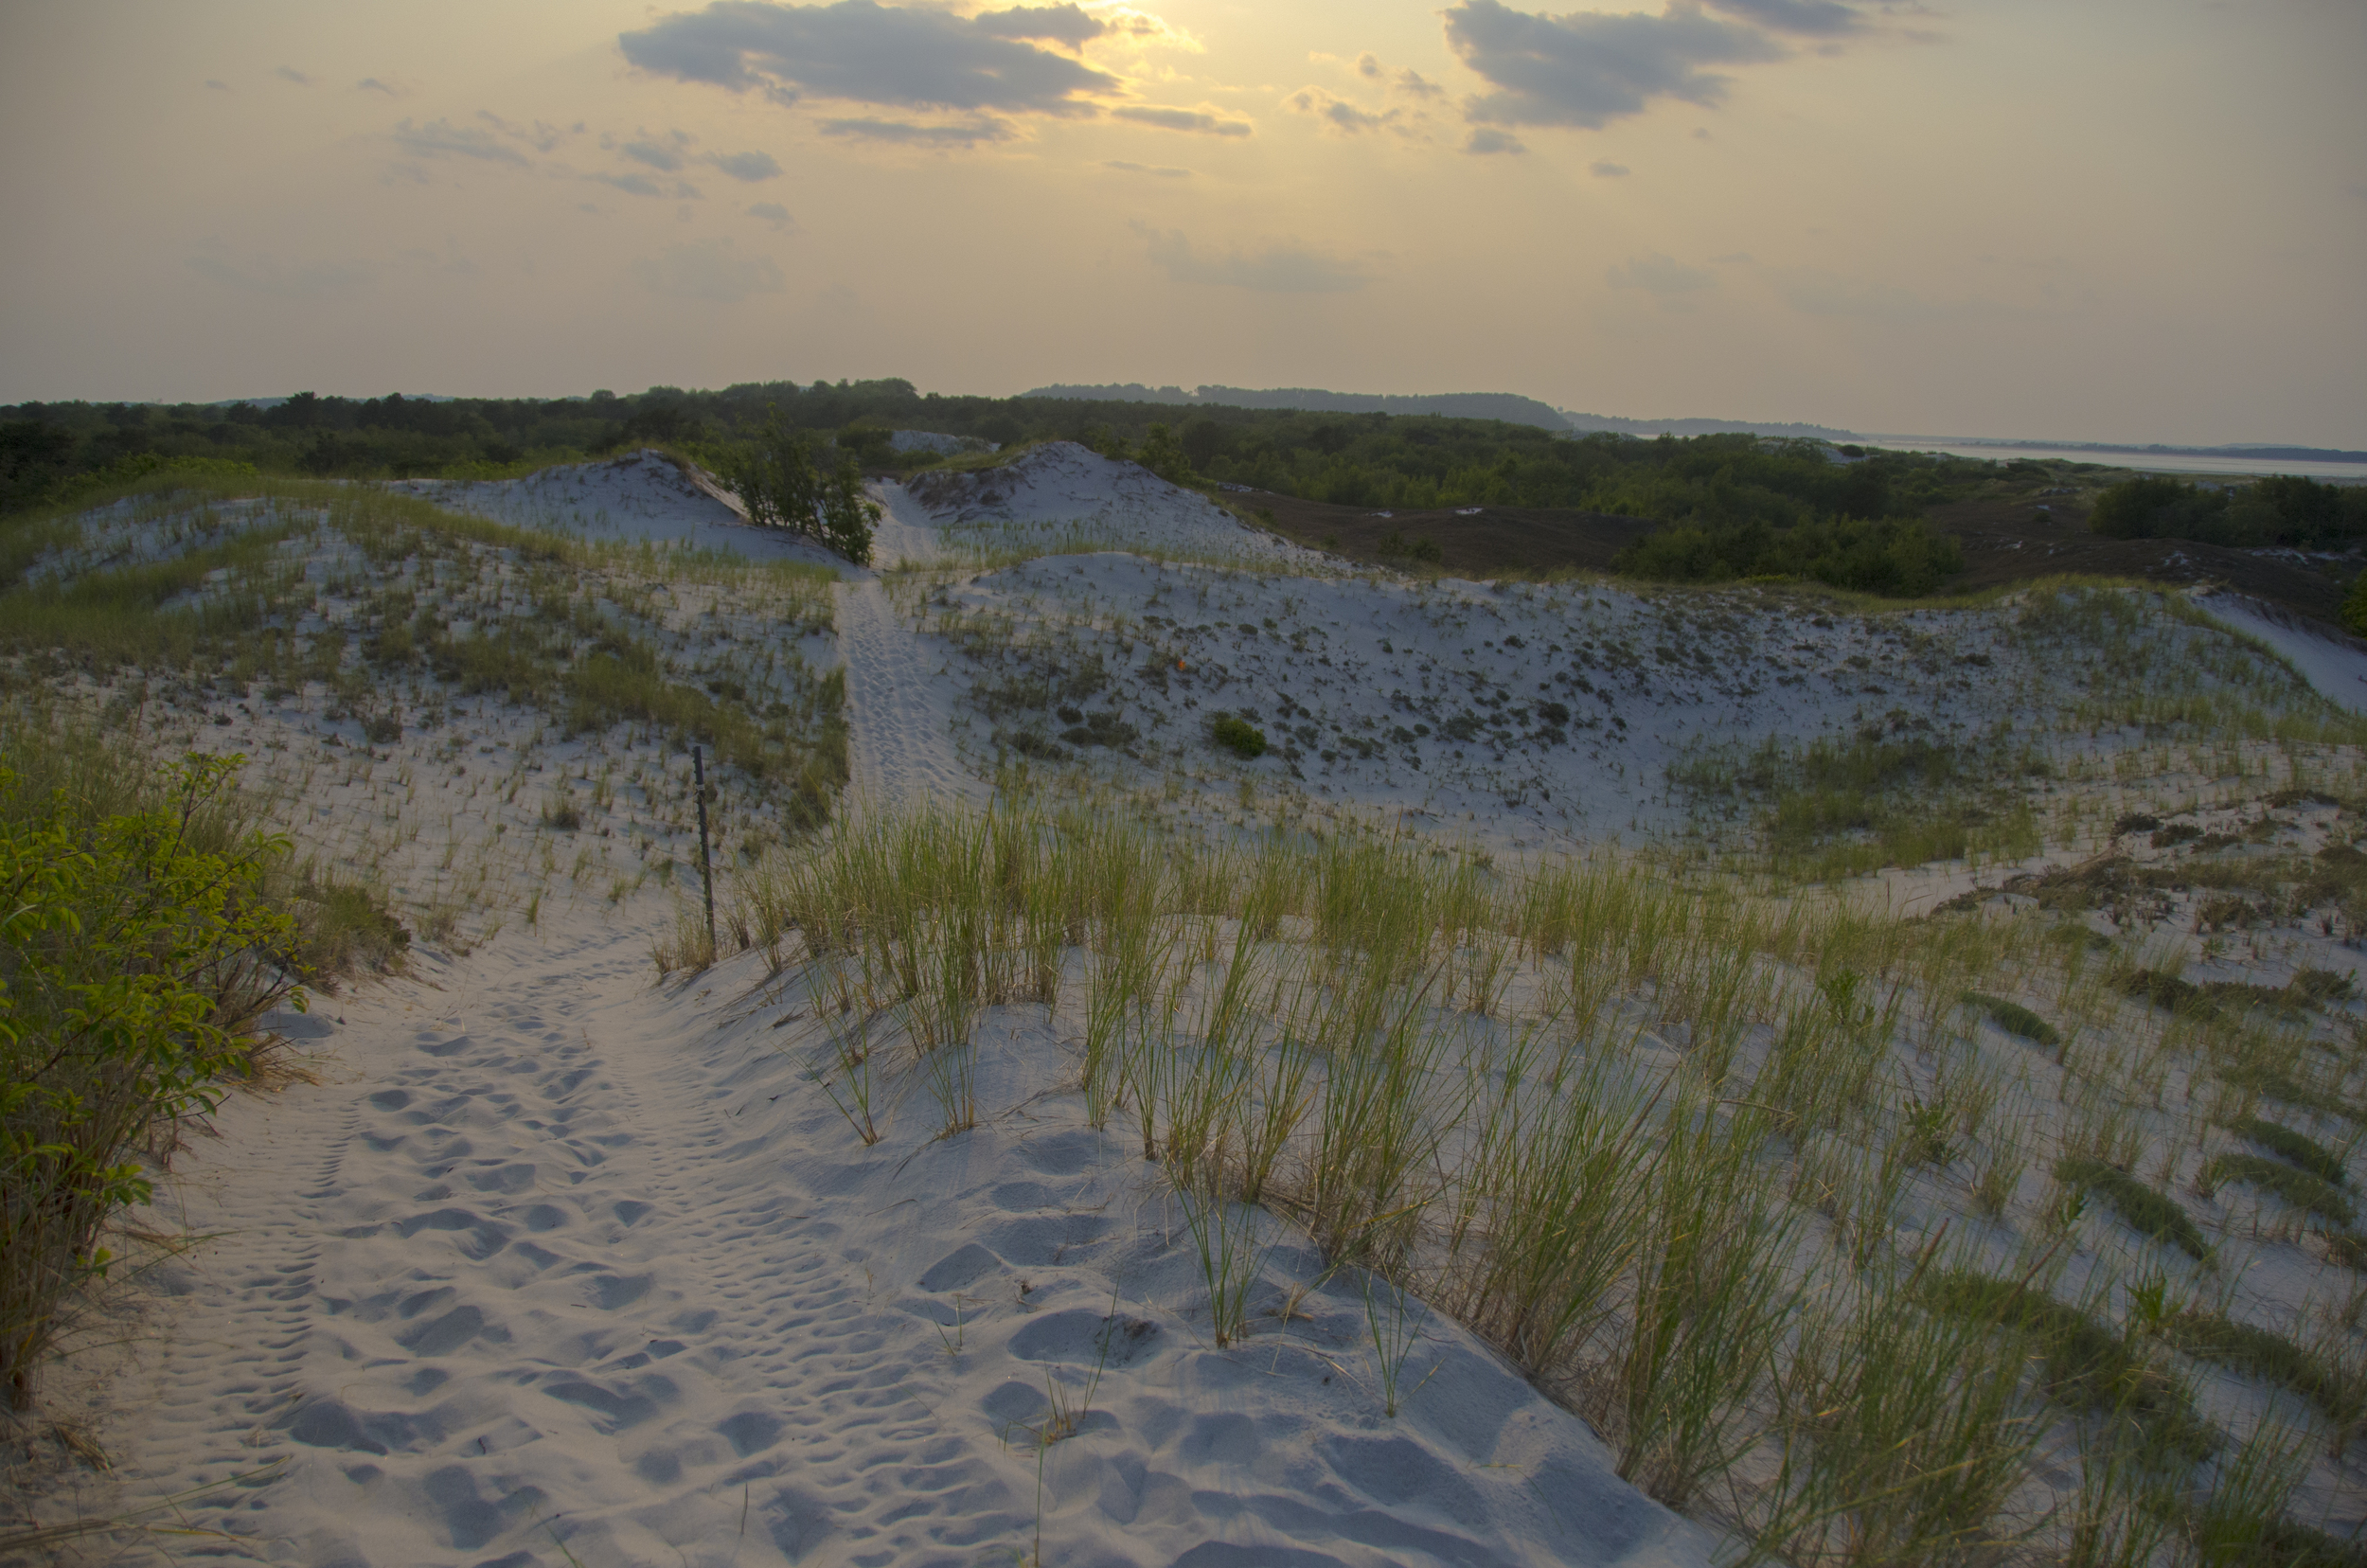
(707, 868)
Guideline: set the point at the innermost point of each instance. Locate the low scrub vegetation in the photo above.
(2283, 510)
(1896, 556)
(145, 932)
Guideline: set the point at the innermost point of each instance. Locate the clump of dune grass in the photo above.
(2083, 1363)
(1598, 1115)
(2146, 1211)
(2335, 1389)
(2015, 1019)
(2311, 1194)
(2294, 1148)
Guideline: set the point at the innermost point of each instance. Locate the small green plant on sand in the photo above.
(1237, 735)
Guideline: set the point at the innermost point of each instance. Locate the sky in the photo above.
(2120, 220)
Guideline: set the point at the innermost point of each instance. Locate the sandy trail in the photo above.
(522, 1278)
(899, 707)
(555, 1268)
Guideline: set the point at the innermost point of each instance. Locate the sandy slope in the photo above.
(551, 1258)
(2335, 665)
(899, 705)
(554, 1267)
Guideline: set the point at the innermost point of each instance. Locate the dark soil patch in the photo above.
(2013, 541)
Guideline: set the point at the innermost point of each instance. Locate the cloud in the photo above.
(440, 138)
(657, 154)
(542, 135)
(372, 85)
(1276, 268)
(631, 184)
(1592, 67)
(1486, 139)
(1409, 81)
(1339, 114)
(1603, 169)
(282, 280)
(707, 270)
(216, 85)
(750, 166)
(289, 73)
(772, 213)
(1125, 167)
(903, 135)
(860, 52)
(1811, 18)
(1659, 274)
(1210, 122)
(1066, 23)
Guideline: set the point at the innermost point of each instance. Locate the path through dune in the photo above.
(557, 1268)
(899, 709)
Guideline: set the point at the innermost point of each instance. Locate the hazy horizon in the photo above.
(2118, 223)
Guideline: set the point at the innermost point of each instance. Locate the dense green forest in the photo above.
(1356, 459)
(1738, 504)
(2285, 510)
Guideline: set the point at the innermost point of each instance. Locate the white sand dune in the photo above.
(2333, 664)
(1059, 490)
(553, 1267)
(640, 497)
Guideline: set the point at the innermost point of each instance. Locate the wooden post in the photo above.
(707, 868)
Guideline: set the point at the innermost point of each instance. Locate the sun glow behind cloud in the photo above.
(1854, 213)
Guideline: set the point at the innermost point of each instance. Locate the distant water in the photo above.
(2149, 462)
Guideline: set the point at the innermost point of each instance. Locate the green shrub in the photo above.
(133, 959)
(2300, 1188)
(777, 478)
(1899, 557)
(1237, 735)
(2146, 1211)
(2283, 511)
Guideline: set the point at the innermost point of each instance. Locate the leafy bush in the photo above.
(1237, 735)
(777, 479)
(1899, 556)
(2283, 511)
(133, 959)
(1395, 544)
